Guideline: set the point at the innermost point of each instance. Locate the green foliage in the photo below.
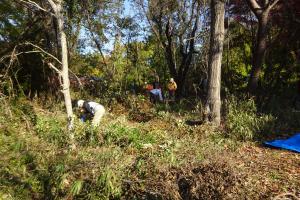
(76, 187)
(287, 112)
(237, 58)
(52, 130)
(125, 136)
(85, 134)
(28, 111)
(243, 122)
(110, 184)
(12, 20)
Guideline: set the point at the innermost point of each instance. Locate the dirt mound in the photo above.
(206, 181)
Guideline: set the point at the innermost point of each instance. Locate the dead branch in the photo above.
(12, 57)
(54, 68)
(34, 4)
(274, 3)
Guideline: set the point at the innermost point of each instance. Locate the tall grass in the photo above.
(243, 122)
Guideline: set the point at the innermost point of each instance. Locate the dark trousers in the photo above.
(172, 94)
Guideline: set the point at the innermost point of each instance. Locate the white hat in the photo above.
(80, 103)
(171, 79)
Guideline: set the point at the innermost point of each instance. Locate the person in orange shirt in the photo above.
(172, 87)
(148, 87)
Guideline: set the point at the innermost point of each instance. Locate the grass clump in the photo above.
(243, 122)
(125, 136)
(52, 130)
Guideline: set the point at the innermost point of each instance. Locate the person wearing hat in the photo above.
(172, 87)
(95, 109)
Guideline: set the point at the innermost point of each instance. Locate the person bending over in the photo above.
(157, 93)
(95, 109)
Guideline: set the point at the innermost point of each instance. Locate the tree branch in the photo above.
(254, 4)
(151, 24)
(42, 50)
(90, 28)
(32, 3)
(12, 56)
(255, 7)
(53, 67)
(266, 3)
(53, 5)
(273, 4)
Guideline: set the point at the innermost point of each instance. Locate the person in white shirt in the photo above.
(93, 108)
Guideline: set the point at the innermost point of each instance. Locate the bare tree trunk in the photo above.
(213, 103)
(57, 8)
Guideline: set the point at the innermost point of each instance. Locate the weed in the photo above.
(76, 187)
(274, 175)
(242, 120)
(160, 158)
(51, 129)
(110, 183)
(125, 136)
(86, 134)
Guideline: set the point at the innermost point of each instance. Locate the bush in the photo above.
(242, 120)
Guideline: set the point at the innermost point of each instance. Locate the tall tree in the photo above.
(100, 18)
(262, 10)
(213, 103)
(58, 13)
(176, 27)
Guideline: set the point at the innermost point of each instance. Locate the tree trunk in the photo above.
(261, 9)
(65, 69)
(213, 103)
(259, 51)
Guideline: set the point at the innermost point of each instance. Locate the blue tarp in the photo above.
(291, 143)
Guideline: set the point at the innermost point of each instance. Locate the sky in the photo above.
(128, 11)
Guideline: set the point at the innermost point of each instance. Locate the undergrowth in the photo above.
(125, 158)
(243, 121)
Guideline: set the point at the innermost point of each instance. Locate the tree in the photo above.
(176, 27)
(58, 13)
(57, 8)
(262, 10)
(213, 103)
(99, 18)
